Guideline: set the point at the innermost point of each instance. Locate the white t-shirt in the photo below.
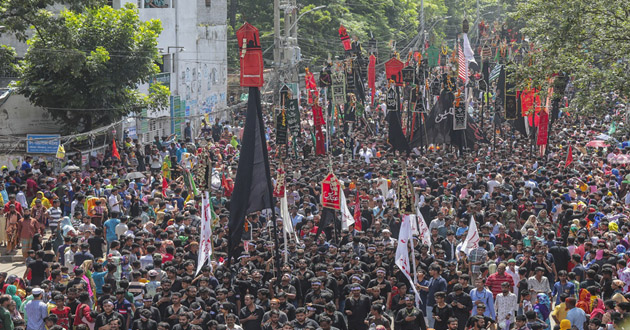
(113, 203)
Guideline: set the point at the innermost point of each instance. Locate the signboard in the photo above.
(293, 117)
(391, 102)
(164, 78)
(42, 143)
(408, 74)
(281, 127)
(459, 117)
(339, 88)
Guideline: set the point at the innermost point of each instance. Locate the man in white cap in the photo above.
(36, 310)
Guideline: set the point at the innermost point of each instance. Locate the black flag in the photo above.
(396, 136)
(252, 187)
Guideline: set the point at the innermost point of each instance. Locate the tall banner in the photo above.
(406, 196)
(205, 237)
(318, 117)
(347, 218)
(543, 128)
(511, 108)
(459, 112)
(402, 253)
(281, 127)
(372, 77)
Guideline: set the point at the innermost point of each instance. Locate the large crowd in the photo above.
(108, 249)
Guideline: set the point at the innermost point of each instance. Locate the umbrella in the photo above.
(71, 168)
(597, 144)
(134, 175)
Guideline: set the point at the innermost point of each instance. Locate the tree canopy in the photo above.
(390, 22)
(84, 66)
(587, 40)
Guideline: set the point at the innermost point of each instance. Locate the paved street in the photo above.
(16, 268)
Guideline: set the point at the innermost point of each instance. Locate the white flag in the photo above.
(287, 224)
(424, 232)
(472, 238)
(402, 253)
(205, 239)
(468, 52)
(347, 218)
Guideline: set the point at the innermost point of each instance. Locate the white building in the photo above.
(193, 45)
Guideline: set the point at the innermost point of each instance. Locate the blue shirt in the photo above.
(99, 281)
(111, 229)
(486, 297)
(577, 317)
(36, 310)
(435, 285)
(558, 288)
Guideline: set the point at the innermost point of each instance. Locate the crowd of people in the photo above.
(107, 249)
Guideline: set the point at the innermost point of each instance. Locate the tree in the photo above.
(588, 40)
(84, 67)
(18, 17)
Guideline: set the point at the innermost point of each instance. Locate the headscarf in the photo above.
(543, 306)
(11, 291)
(585, 301)
(66, 227)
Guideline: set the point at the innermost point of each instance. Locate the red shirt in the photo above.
(495, 280)
(63, 316)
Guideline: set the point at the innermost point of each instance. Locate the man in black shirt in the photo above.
(39, 269)
(357, 308)
(108, 315)
(96, 243)
(410, 318)
(251, 315)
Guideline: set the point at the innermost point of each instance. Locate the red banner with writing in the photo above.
(331, 192)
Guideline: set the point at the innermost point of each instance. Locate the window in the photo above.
(156, 3)
(208, 3)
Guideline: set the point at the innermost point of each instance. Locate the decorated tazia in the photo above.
(250, 54)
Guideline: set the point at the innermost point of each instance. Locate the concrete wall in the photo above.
(198, 70)
(19, 117)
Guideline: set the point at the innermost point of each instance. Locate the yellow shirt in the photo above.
(560, 312)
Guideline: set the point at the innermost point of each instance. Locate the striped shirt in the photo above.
(54, 215)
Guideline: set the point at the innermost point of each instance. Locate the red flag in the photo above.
(164, 186)
(357, 214)
(372, 76)
(569, 157)
(320, 148)
(115, 150)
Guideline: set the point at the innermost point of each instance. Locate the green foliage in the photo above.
(588, 40)
(90, 60)
(389, 21)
